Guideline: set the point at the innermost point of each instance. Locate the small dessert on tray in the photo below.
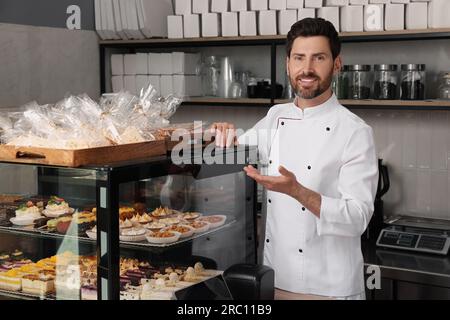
(132, 234)
(162, 212)
(57, 207)
(184, 230)
(169, 221)
(155, 226)
(214, 221)
(190, 215)
(26, 214)
(162, 237)
(200, 226)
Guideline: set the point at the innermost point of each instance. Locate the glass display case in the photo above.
(136, 230)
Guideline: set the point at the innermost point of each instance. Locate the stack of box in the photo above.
(131, 19)
(214, 18)
(169, 73)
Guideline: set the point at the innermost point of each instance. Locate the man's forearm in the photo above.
(311, 200)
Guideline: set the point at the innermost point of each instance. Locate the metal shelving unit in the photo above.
(273, 41)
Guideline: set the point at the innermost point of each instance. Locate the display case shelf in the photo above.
(352, 104)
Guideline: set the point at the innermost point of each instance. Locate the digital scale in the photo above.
(416, 234)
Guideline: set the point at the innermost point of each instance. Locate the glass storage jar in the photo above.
(444, 89)
(385, 82)
(210, 76)
(340, 83)
(413, 82)
(359, 81)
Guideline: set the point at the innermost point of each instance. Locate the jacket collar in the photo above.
(317, 111)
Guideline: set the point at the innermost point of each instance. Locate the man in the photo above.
(321, 176)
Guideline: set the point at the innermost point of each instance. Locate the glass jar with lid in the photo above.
(340, 83)
(413, 82)
(385, 82)
(359, 77)
(444, 88)
(210, 74)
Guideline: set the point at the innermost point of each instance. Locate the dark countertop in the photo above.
(408, 266)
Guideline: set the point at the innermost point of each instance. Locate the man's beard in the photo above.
(314, 91)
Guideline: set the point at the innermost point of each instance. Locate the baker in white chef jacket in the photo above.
(321, 174)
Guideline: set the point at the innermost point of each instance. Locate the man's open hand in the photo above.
(286, 183)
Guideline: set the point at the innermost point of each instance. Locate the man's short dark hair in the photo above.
(310, 27)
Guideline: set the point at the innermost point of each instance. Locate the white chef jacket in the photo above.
(331, 151)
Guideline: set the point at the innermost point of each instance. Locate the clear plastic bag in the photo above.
(78, 122)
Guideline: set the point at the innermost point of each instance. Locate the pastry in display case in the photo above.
(136, 230)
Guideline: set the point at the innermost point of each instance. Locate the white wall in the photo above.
(45, 64)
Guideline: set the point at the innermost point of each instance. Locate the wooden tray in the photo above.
(82, 157)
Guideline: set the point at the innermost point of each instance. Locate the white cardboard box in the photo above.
(117, 67)
(294, 4)
(155, 82)
(155, 16)
(336, 3)
(394, 16)
(130, 64)
(130, 84)
(185, 63)
(277, 5)
(117, 83)
(259, 5)
(200, 6)
(191, 25)
(400, 1)
(141, 63)
(331, 14)
(358, 2)
(416, 15)
(374, 17)
(175, 27)
(238, 5)
(153, 64)
(211, 25)
(230, 24)
(165, 63)
(219, 6)
(247, 23)
(352, 19)
(142, 82)
(286, 18)
(438, 14)
(379, 1)
(267, 22)
(183, 7)
(306, 13)
(166, 85)
(313, 3)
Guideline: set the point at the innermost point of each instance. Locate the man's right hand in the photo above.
(225, 134)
